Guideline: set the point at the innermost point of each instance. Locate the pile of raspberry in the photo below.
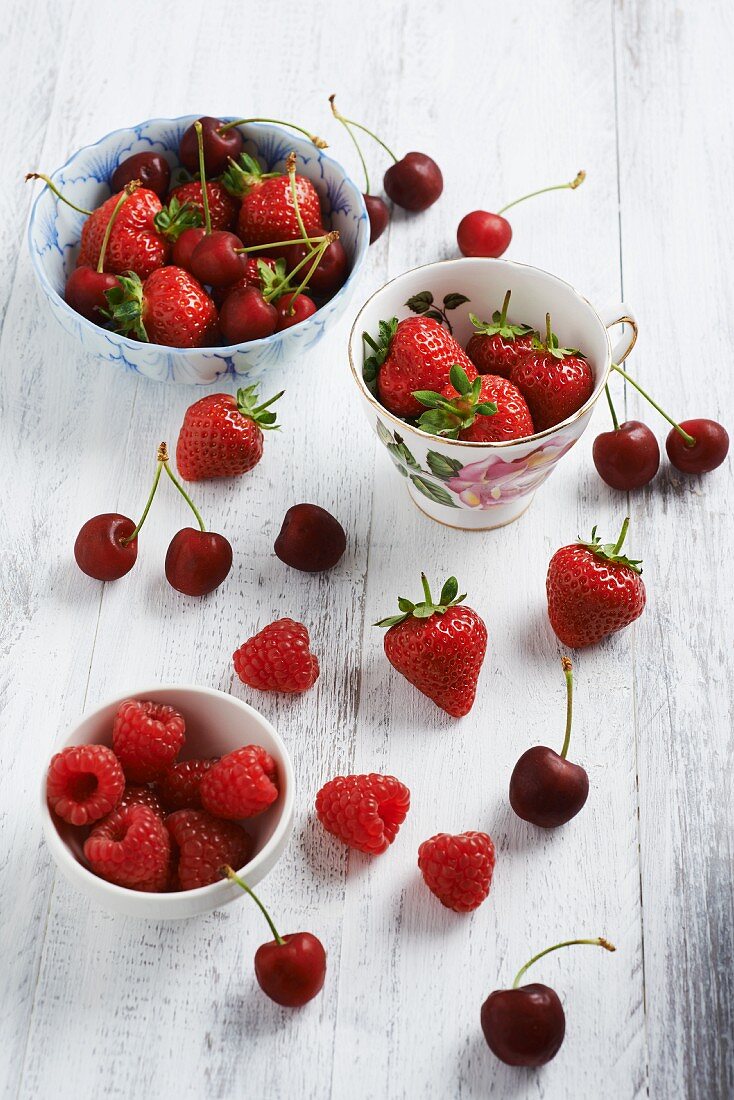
(153, 822)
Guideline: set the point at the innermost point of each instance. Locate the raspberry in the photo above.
(365, 811)
(243, 783)
(458, 869)
(131, 848)
(202, 845)
(142, 796)
(278, 658)
(84, 783)
(178, 788)
(146, 738)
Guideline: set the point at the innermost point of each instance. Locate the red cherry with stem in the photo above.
(481, 233)
(628, 457)
(693, 446)
(152, 169)
(220, 146)
(377, 210)
(86, 288)
(413, 182)
(214, 260)
(197, 562)
(245, 316)
(184, 246)
(331, 270)
(310, 539)
(547, 789)
(292, 310)
(106, 548)
(289, 969)
(525, 1025)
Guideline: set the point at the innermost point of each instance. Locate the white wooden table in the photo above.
(507, 98)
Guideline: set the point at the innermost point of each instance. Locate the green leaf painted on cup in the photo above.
(432, 491)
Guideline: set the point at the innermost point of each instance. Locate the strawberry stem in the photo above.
(126, 192)
(579, 179)
(243, 886)
(202, 177)
(50, 183)
(181, 489)
(622, 536)
(347, 126)
(568, 673)
(505, 307)
(162, 457)
(599, 942)
(612, 410)
(426, 589)
(317, 141)
(687, 439)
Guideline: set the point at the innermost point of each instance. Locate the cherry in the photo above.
(628, 457)
(151, 169)
(289, 969)
(197, 562)
(310, 539)
(379, 215)
(220, 146)
(545, 788)
(184, 246)
(214, 260)
(245, 315)
(525, 1025)
(86, 288)
(292, 309)
(104, 548)
(483, 234)
(708, 449)
(693, 446)
(331, 270)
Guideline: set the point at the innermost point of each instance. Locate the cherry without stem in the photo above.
(310, 539)
(245, 315)
(151, 169)
(185, 245)
(482, 233)
(525, 1025)
(215, 261)
(331, 270)
(289, 969)
(546, 789)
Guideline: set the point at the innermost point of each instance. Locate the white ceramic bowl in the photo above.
(54, 231)
(479, 486)
(216, 723)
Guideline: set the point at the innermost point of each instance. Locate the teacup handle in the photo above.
(619, 313)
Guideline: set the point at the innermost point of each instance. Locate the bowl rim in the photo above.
(360, 251)
(215, 891)
(404, 425)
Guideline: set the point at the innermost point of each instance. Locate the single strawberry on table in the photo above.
(488, 410)
(497, 345)
(416, 353)
(241, 784)
(458, 869)
(364, 811)
(222, 436)
(131, 848)
(278, 658)
(438, 647)
(170, 307)
(554, 381)
(203, 845)
(593, 590)
(146, 738)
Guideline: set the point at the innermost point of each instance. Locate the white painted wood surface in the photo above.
(507, 97)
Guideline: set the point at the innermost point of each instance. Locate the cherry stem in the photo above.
(162, 457)
(127, 191)
(689, 440)
(612, 410)
(568, 673)
(50, 183)
(599, 942)
(622, 536)
(243, 885)
(290, 166)
(580, 177)
(374, 137)
(317, 141)
(280, 244)
(202, 177)
(348, 128)
(180, 487)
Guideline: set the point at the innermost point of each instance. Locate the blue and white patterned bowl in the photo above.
(54, 231)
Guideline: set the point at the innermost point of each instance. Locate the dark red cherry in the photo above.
(524, 1026)
(379, 215)
(330, 272)
(152, 169)
(483, 234)
(85, 292)
(185, 246)
(709, 449)
(219, 148)
(247, 316)
(546, 789)
(291, 972)
(99, 548)
(214, 260)
(310, 539)
(291, 311)
(197, 561)
(413, 182)
(627, 457)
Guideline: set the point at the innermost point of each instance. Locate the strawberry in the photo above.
(554, 381)
(222, 207)
(497, 346)
(221, 435)
(593, 590)
(415, 354)
(267, 212)
(439, 648)
(170, 308)
(487, 410)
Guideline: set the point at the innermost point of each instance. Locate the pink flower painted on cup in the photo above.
(494, 481)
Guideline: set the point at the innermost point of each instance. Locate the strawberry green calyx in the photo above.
(173, 219)
(550, 344)
(380, 350)
(125, 303)
(260, 414)
(242, 175)
(499, 325)
(427, 608)
(448, 416)
(610, 551)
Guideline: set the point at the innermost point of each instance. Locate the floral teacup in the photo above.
(478, 486)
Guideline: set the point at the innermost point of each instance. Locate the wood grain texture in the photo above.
(506, 99)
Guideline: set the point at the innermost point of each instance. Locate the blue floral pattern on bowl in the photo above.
(54, 230)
